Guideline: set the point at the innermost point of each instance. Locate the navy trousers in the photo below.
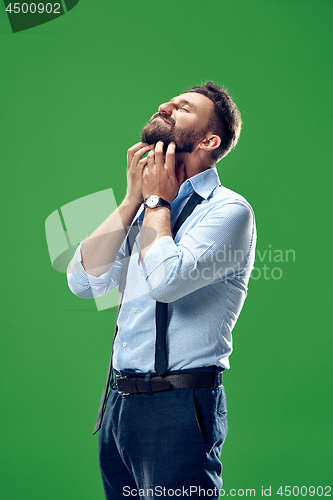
(163, 445)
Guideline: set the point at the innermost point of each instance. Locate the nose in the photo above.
(166, 108)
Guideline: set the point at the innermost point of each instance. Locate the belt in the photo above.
(141, 385)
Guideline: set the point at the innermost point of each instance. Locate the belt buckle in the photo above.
(121, 392)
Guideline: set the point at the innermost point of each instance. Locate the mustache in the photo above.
(168, 118)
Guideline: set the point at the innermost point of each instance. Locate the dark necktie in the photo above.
(161, 315)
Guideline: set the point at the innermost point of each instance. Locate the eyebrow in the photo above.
(185, 101)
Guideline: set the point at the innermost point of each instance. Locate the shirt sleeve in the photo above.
(217, 248)
(87, 286)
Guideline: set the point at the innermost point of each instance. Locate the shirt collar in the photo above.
(203, 183)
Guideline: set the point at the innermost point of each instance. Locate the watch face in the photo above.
(152, 201)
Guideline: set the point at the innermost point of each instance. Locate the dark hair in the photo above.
(225, 120)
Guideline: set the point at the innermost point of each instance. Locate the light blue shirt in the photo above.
(203, 275)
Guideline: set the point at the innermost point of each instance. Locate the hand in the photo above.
(135, 166)
(159, 176)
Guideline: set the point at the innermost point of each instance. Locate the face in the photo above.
(184, 120)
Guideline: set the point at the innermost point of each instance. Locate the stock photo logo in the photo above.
(72, 223)
(25, 15)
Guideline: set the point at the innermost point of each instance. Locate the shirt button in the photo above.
(124, 344)
(135, 311)
(143, 277)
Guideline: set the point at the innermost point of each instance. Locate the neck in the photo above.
(193, 164)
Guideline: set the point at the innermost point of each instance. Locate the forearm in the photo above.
(218, 247)
(100, 249)
(156, 223)
(159, 178)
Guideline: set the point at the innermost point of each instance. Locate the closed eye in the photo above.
(184, 109)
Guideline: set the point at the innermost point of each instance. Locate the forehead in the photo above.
(198, 102)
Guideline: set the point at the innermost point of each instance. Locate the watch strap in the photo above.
(160, 203)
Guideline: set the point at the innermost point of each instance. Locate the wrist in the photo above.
(157, 210)
(129, 203)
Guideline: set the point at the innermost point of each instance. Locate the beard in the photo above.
(156, 130)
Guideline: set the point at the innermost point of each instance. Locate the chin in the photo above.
(157, 130)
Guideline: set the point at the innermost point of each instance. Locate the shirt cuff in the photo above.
(80, 274)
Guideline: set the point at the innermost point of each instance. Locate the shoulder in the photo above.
(226, 200)
(209, 186)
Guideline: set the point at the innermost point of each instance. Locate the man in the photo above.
(185, 281)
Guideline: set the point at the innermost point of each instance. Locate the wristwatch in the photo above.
(154, 201)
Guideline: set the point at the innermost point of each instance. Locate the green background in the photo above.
(75, 93)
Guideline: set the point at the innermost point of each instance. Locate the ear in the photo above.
(210, 142)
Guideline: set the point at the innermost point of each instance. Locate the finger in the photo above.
(159, 155)
(142, 164)
(134, 149)
(138, 154)
(170, 157)
(151, 158)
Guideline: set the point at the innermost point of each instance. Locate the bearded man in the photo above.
(182, 269)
